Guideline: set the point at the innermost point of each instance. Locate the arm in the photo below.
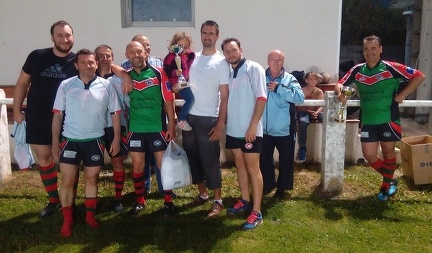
(412, 85)
(289, 89)
(115, 145)
(124, 75)
(56, 128)
(216, 132)
(169, 108)
(258, 111)
(337, 90)
(20, 93)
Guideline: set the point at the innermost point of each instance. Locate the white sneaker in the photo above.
(184, 125)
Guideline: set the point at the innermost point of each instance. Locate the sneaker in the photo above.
(253, 220)
(184, 125)
(49, 209)
(168, 208)
(302, 154)
(137, 207)
(240, 207)
(385, 194)
(215, 210)
(118, 206)
(199, 201)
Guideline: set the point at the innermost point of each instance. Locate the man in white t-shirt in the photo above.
(208, 79)
(246, 104)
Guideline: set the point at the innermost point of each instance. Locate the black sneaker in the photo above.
(49, 209)
(118, 206)
(137, 207)
(168, 208)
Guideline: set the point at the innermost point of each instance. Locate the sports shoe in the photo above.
(168, 208)
(49, 209)
(199, 201)
(215, 210)
(118, 206)
(137, 207)
(385, 194)
(240, 207)
(184, 125)
(302, 154)
(253, 220)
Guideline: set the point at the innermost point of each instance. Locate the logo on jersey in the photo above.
(141, 85)
(157, 143)
(387, 134)
(410, 70)
(248, 145)
(95, 158)
(54, 71)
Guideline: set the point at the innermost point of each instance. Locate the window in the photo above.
(158, 13)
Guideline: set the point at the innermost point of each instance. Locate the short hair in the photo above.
(371, 38)
(310, 73)
(228, 40)
(210, 23)
(180, 36)
(84, 51)
(61, 23)
(105, 46)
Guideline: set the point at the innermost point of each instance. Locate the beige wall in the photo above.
(307, 30)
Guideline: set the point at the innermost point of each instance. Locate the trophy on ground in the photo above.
(347, 92)
(181, 81)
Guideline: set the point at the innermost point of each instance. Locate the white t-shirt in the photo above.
(85, 109)
(206, 74)
(118, 85)
(245, 87)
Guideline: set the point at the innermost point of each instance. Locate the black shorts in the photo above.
(246, 147)
(387, 132)
(146, 142)
(39, 128)
(109, 136)
(91, 153)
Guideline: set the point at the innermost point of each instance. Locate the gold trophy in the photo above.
(181, 81)
(347, 92)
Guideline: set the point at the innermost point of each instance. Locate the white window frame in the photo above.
(126, 15)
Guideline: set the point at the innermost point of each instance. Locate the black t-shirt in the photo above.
(46, 71)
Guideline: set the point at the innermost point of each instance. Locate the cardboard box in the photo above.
(416, 153)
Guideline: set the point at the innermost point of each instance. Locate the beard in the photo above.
(63, 50)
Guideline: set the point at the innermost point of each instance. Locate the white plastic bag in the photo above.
(23, 154)
(175, 169)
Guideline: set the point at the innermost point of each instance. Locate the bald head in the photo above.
(275, 61)
(276, 54)
(144, 41)
(136, 54)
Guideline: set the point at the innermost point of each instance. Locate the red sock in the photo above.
(138, 181)
(168, 196)
(377, 165)
(90, 204)
(388, 170)
(48, 175)
(66, 230)
(119, 179)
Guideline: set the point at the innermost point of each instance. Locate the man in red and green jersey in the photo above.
(377, 84)
(151, 103)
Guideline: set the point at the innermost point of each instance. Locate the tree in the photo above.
(361, 18)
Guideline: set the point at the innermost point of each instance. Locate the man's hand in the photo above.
(19, 117)
(216, 132)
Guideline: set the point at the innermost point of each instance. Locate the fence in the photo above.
(333, 138)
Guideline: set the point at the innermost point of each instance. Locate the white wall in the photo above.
(308, 31)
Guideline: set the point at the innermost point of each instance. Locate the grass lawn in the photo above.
(305, 221)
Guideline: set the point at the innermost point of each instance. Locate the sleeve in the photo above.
(349, 77)
(114, 105)
(165, 86)
(60, 99)
(258, 78)
(290, 90)
(402, 71)
(27, 67)
(224, 70)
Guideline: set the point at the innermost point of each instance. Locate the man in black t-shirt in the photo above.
(41, 75)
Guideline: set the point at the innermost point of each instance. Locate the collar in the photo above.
(281, 74)
(378, 63)
(143, 69)
(106, 76)
(87, 85)
(241, 62)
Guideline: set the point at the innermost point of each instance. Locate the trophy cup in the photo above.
(181, 81)
(347, 92)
